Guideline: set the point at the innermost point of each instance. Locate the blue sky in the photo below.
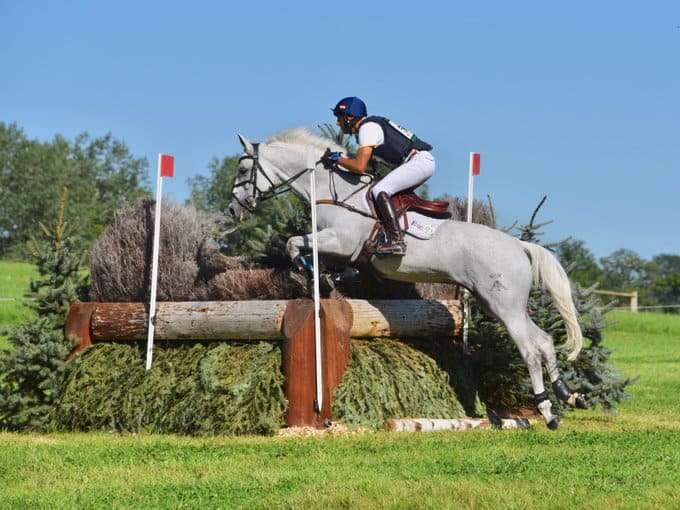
(576, 100)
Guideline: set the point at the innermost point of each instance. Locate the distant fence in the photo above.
(633, 305)
(633, 296)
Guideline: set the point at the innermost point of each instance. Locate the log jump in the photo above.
(289, 321)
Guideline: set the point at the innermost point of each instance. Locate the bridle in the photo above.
(257, 195)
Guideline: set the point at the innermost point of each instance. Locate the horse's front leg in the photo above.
(327, 242)
(295, 244)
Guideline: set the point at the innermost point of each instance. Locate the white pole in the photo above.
(154, 266)
(318, 402)
(470, 187)
(466, 293)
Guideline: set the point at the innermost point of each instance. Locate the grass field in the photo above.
(14, 281)
(593, 461)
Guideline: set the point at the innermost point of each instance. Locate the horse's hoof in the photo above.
(580, 402)
(554, 424)
(577, 400)
(326, 282)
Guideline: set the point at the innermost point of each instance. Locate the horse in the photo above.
(497, 268)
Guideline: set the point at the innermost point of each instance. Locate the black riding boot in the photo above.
(395, 244)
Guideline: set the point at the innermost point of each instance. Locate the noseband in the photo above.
(257, 195)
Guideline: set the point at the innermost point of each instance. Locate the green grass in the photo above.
(648, 345)
(570, 469)
(14, 282)
(593, 461)
(642, 323)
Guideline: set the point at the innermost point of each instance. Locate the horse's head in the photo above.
(245, 193)
(268, 169)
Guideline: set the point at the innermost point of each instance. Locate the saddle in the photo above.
(407, 200)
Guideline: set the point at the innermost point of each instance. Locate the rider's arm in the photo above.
(360, 163)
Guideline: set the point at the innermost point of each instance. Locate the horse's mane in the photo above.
(303, 136)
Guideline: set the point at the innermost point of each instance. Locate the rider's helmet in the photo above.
(350, 106)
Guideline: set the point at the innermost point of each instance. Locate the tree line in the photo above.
(101, 175)
(657, 281)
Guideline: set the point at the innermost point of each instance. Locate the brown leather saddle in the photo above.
(407, 200)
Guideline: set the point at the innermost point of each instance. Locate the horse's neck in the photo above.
(328, 185)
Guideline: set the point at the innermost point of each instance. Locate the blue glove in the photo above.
(329, 159)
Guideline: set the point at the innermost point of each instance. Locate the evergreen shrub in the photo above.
(33, 368)
(220, 388)
(237, 388)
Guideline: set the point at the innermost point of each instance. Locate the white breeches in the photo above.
(409, 175)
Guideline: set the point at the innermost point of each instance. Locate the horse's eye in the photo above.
(242, 170)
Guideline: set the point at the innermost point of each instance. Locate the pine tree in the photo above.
(33, 368)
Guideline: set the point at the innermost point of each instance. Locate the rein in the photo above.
(330, 201)
(342, 203)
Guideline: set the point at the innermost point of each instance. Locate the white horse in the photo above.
(495, 267)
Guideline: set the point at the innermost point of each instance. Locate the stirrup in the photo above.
(391, 248)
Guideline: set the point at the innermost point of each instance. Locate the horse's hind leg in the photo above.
(527, 336)
(547, 347)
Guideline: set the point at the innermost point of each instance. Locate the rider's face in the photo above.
(345, 123)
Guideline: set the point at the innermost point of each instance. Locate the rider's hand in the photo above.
(330, 159)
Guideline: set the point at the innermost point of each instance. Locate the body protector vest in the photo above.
(398, 144)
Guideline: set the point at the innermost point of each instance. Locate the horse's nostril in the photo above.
(232, 212)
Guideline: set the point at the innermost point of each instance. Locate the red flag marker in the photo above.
(474, 162)
(167, 164)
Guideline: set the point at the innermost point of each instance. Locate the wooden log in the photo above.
(192, 320)
(406, 318)
(262, 320)
(437, 424)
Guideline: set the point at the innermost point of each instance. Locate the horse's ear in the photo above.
(247, 145)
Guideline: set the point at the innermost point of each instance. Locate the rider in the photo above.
(398, 148)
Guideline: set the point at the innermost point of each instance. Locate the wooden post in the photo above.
(336, 323)
(299, 358)
(633, 296)
(78, 325)
(299, 363)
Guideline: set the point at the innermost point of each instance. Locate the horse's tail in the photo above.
(548, 271)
